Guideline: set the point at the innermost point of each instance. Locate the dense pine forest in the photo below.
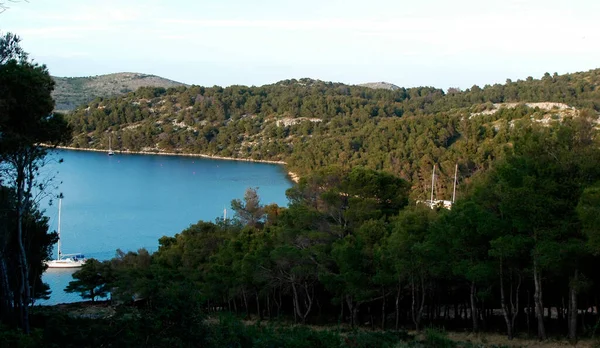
(516, 254)
(311, 124)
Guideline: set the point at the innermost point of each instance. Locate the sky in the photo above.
(440, 43)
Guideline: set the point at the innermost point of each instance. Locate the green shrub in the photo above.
(365, 339)
(438, 339)
(14, 338)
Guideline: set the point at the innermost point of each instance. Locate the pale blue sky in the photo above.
(409, 43)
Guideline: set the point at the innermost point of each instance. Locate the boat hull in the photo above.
(65, 264)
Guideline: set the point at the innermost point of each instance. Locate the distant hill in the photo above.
(380, 85)
(71, 92)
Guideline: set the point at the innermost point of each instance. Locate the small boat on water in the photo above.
(110, 151)
(65, 260)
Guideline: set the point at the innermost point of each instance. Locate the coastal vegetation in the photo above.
(26, 119)
(354, 252)
(310, 124)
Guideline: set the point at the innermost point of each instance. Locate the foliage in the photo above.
(249, 212)
(438, 339)
(310, 124)
(349, 249)
(26, 121)
(92, 280)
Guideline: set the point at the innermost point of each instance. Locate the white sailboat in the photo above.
(110, 151)
(440, 203)
(65, 260)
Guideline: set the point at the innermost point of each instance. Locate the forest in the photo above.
(516, 254)
(354, 259)
(311, 124)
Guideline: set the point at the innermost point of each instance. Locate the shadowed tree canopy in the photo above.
(91, 280)
(26, 106)
(26, 121)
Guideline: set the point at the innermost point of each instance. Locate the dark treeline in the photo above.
(311, 124)
(516, 254)
(26, 120)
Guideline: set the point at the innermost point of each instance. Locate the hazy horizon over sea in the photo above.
(129, 201)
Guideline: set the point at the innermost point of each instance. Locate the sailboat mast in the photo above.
(455, 177)
(59, 208)
(224, 214)
(432, 183)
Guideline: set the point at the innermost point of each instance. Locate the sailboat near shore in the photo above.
(110, 151)
(65, 260)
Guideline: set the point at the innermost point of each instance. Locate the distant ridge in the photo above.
(380, 85)
(71, 92)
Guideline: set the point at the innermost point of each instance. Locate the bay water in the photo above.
(129, 201)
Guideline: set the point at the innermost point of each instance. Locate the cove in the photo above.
(129, 201)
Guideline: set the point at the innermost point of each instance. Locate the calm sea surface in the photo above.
(128, 202)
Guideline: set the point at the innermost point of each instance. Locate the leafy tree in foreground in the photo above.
(26, 120)
(92, 280)
(536, 192)
(465, 232)
(408, 249)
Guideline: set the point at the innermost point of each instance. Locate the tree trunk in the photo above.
(515, 304)
(278, 303)
(456, 314)
(560, 311)
(269, 306)
(341, 320)
(509, 328)
(474, 315)
(258, 305)
(528, 313)
(245, 302)
(24, 291)
(445, 312)
(422, 298)
(309, 292)
(351, 308)
(413, 304)
(573, 311)
(295, 300)
(417, 308)
(5, 293)
(398, 308)
(538, 303)
(383, 310)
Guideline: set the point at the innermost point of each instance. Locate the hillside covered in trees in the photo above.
(310, 124)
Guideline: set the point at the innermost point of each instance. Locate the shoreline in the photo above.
(293, 176)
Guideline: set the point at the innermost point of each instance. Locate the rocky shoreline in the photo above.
(293, 176)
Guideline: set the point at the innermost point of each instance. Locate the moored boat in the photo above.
(65, 260)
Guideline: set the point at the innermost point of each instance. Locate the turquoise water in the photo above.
(128, 202)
